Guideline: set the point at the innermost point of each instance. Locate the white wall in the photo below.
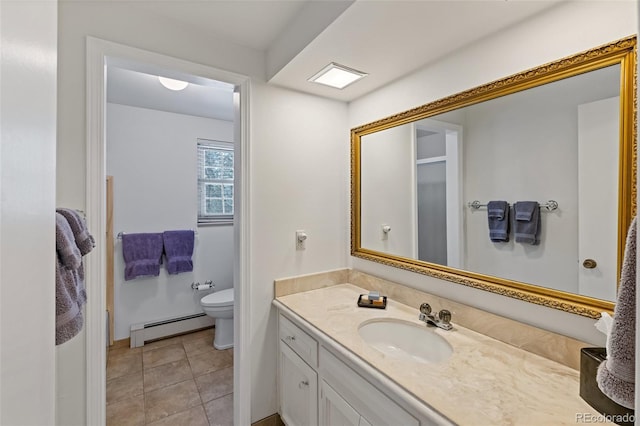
(152, 157)
(387, 191)
(122, 23)
(299, 180)
(525, 147)
(27, 226)
(562, 31)
(299, 162)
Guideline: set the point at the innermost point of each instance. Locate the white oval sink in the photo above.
(406, 341)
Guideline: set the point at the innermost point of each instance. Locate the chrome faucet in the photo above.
(441, 320)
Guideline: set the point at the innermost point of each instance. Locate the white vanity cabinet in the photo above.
(298, 390)
(317, 388)
(298, 380)
(335, 411)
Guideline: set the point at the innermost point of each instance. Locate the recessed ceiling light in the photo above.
(172, 84)
(338, 76)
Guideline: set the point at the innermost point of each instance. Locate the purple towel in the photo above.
(142, 255)
(616, 376)
(84, 240)
(178, 246)
(68, 252)
(70, 289)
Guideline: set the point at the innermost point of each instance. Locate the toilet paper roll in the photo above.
(203, 286)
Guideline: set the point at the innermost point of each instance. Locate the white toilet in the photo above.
(219, 305)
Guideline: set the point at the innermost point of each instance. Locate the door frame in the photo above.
(453, 158)
(99, 52)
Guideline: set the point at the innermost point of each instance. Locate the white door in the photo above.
(298, 390)
(598, 153)
(28, 46)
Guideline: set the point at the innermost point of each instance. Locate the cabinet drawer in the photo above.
(301, 343)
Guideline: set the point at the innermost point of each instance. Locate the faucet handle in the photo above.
(425, 308)
(444, 316)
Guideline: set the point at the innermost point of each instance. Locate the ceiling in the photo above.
(387, 39)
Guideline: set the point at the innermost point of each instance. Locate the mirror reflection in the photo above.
(524, 186)
(554, 142)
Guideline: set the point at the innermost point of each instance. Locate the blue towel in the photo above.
(498, 216)
(142, 255)
(178, 247)
(526, 222)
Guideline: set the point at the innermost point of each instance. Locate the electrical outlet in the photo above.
(301, 238)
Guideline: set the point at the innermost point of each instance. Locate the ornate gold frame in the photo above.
(621, 52)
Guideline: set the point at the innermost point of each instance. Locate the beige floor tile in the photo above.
(163, 355)
(216, 384)
(199, 335)
(161, 343)
(209, 361)
(220, 411)
(124, 364)
(124, 387)
(122, 351)
(127, 412)
(171, 400)
(166, 374)
(196, 346)
(195, 416)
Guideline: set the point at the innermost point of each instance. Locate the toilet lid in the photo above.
(218, 298)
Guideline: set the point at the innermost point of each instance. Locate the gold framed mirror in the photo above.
(562, 134)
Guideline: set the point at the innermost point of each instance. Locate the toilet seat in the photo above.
(218, 299)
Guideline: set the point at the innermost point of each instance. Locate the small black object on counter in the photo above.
(590, 359)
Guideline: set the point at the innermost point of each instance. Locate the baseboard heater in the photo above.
(145, 332)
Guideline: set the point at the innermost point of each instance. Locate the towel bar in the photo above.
(550, 205)
(120, 234)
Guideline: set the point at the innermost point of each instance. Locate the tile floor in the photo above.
(180, 381)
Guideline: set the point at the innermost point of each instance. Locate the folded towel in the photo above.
(178, 246)
(70, 297)
(84, 240)
(142, 255)
(526, 222)
(616, 375)
(498, 215)
(70, 290)
(66, 247)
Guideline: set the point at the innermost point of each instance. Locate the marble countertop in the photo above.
(484, 382)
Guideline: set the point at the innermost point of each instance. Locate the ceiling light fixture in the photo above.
(338, 76)
(172, 84)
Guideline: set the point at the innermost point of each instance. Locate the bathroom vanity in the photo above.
(330, 374)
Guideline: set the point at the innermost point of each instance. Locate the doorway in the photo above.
(101, 55)
(438, 190)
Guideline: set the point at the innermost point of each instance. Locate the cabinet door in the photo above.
(334, 410)
(298, 390)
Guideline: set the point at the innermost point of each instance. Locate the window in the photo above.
(215, 182)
